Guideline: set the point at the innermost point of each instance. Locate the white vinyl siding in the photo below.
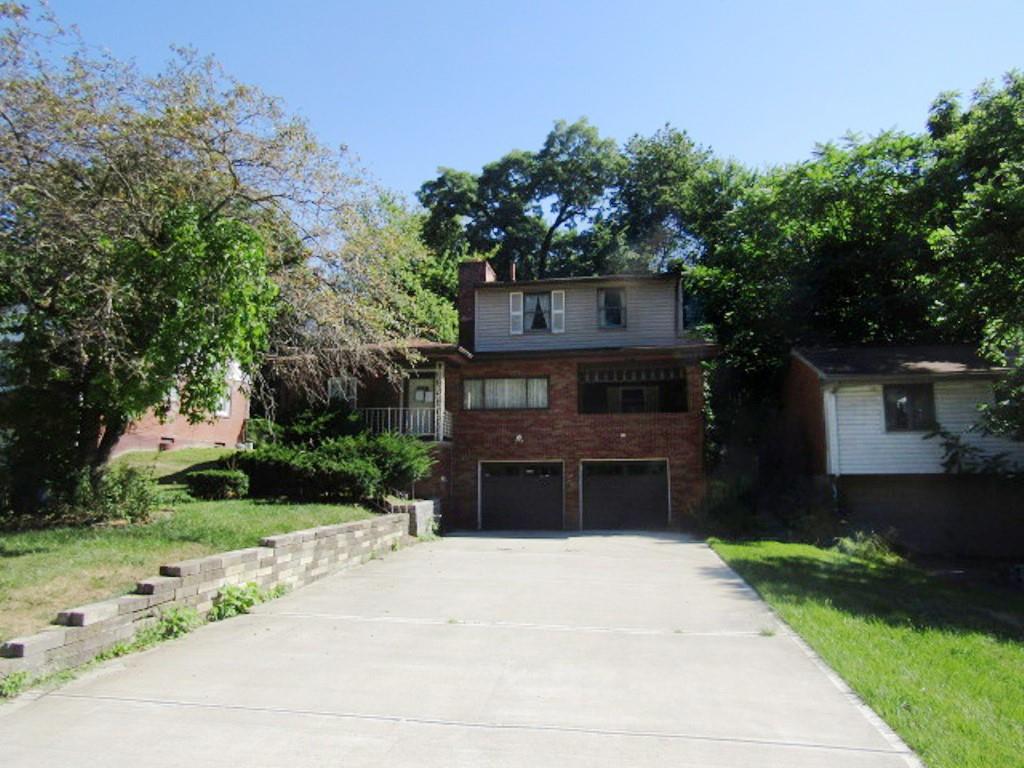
(860, 445)
(652, 319)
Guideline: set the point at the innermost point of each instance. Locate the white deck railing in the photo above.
(422, 422)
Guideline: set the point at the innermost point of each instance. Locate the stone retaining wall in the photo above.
(289, 559)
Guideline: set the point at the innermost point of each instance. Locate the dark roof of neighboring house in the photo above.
(952, 360)
(586, 279)
(427, 348)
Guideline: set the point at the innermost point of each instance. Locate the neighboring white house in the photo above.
(861, 417)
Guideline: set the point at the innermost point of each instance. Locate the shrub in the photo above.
(122, 493)
(236, 600)
(728, 507)
(872, 547)
(339, 469)
(262, 431)
(402, 459)
(13, 684)
(217, 483)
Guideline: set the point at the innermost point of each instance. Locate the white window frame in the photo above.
(602, 317)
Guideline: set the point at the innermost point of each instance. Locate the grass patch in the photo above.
(941, 662)
(168, 468)
(43, 572)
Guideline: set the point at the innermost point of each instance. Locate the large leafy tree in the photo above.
(527, 208)
(978, 283)
(146, 226)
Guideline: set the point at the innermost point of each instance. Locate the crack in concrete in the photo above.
(544, 727)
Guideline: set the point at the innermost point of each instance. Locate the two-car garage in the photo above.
(613, 494)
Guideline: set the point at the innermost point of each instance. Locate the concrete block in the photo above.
(158, 585)
(184, 568)
(84, 615)
(32, 645)
(133, 603)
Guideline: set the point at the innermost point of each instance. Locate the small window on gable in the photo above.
(537, 312)
(611, 307)
(909, 407)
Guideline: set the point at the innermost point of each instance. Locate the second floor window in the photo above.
(656, 389)
(502, 394)
(611, 307)
(537, 312)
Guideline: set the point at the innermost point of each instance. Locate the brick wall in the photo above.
(561, 433)
(801, 444)
(290, 559)
(148, 432)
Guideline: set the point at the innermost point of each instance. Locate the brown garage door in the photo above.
(625, 494)
(521, 496)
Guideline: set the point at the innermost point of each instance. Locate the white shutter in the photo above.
(515, 313)
(558, 311)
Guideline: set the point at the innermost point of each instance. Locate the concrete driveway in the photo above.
(575, 650)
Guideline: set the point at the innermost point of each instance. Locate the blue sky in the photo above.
(416, 85)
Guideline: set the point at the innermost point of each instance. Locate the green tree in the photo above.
(527, 208)
(146, 225)
(978, 283)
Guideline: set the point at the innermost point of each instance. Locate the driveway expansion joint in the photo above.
(475, 725)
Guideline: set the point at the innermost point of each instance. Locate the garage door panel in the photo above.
(521, 496)
(625, 494)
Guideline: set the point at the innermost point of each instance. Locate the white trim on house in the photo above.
(480, 483)
(558, 311)
(515, 313)
(668, 481)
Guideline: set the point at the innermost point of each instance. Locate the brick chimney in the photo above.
(471, 273)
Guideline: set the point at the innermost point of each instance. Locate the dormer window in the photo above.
(611, 307)
(537, 312)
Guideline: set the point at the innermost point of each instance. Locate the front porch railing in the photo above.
(421, 422)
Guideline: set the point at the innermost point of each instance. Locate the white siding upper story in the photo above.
(858, 443)
(651, 318)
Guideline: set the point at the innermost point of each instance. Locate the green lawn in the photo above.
(43, 572)
(941, 662)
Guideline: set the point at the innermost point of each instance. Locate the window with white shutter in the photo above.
(558, 311)
(515, 313)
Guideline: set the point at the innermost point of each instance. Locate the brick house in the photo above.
(568, 403)
(226, 427)
(858, 420)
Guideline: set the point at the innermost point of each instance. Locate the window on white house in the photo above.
(537, 312)
(500, 394)
(611, 307)
(909, 407)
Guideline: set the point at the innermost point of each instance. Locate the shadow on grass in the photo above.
(899, 595)
(178, 478)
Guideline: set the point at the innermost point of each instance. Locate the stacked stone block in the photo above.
(289, 559)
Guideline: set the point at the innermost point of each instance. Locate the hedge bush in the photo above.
(217, 483)
(350, 468)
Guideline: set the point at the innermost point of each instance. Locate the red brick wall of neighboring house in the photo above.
(471, 273)
(803, 444)
(148, 433)
(561, 433)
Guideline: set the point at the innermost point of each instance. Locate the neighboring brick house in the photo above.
(858, 419)
(568, 403)
(226, 427)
